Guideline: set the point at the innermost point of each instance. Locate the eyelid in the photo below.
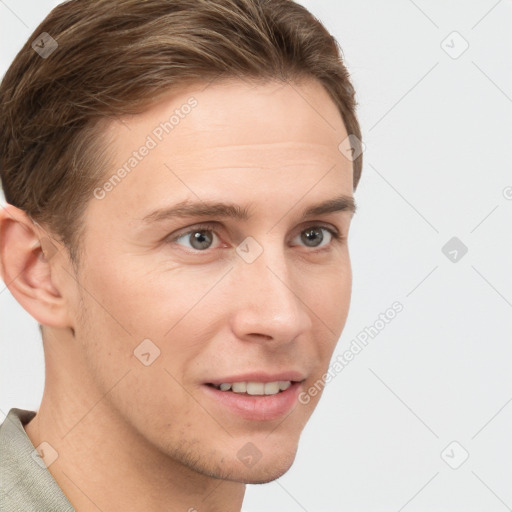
(210, 226)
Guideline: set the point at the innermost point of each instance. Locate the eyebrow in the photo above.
(342, 203)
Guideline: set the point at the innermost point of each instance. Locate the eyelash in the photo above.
(337, 237)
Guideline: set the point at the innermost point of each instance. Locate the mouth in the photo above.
(256, 398)
(254, 388)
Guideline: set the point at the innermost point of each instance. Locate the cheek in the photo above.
(143, 300)
(163, 318)
(342, 294)
(329, 307)
(329, 295)
(131, 361)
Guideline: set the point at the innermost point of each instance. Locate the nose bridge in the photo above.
(267, 302)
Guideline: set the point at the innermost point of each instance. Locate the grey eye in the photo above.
(313, 237)
(199, 239)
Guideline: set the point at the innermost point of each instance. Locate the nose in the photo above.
(269, 299)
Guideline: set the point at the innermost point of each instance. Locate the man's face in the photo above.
(218, 299)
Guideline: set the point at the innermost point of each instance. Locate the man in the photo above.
(179, 178)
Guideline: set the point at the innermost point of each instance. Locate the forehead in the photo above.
(231, 114)
(244, 140)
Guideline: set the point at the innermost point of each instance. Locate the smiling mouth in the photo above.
(260, 399)
(254, 388)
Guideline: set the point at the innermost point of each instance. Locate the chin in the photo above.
(263, 471)
(264, 477)
(266, 469)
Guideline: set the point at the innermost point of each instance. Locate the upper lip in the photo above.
(259, 377)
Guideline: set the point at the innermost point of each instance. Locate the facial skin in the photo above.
(136, 437)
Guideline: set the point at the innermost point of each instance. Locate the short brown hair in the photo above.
(113, 58)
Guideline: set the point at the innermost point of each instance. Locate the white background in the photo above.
(437, 165)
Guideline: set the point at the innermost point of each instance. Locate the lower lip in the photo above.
(257, 407)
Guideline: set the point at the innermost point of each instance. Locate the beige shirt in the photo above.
(26, 485)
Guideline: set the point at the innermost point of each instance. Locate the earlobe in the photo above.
(27, 258)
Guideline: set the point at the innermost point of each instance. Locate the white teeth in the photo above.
(239, 387)
(271, 388)
(256, 388)
(284, 384)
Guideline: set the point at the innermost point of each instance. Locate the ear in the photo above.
(27, 254)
